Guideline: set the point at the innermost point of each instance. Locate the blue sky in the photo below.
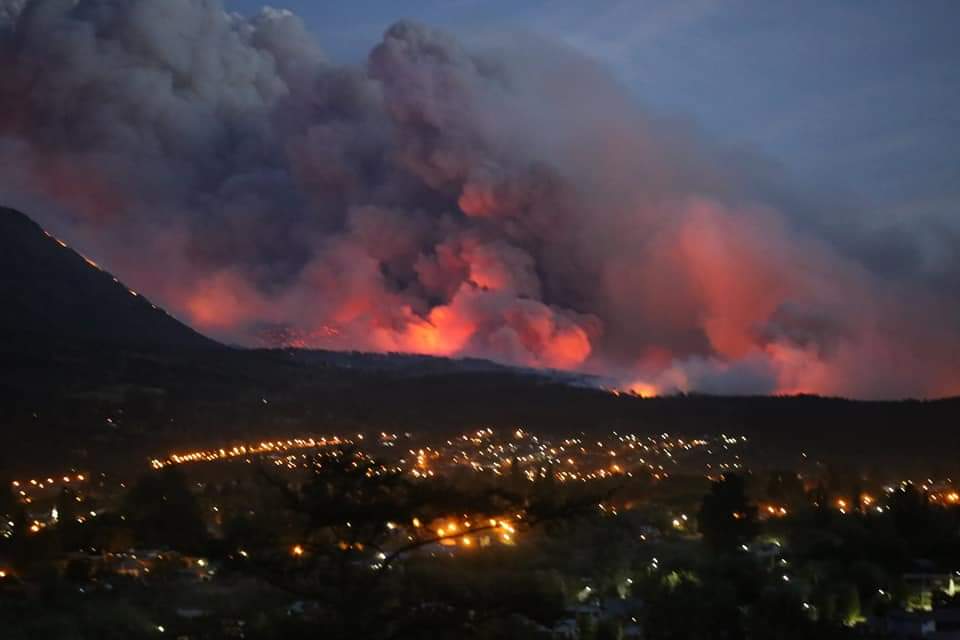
(859, 99)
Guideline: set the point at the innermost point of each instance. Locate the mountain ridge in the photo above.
(52, 292)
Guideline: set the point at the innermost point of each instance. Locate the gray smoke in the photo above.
(511, 203)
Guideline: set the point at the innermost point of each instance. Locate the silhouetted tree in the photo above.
(8, 499)
(726, 519)
(350, 540)
(785, 487)
(686, 609)
(163, 512)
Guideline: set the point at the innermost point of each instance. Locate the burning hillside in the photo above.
(513, 204)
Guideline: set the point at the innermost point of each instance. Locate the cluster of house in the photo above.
(936, 624)
(140, 564)
(621, 612)
(924, 617)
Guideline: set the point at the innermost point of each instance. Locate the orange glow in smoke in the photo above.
(643, 389)
(568, 349)
(442, 333)
(221, 302)
(740, 284)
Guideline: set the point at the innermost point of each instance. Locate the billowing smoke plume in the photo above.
(513, 204)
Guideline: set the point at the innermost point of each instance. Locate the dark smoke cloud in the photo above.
(511, 203)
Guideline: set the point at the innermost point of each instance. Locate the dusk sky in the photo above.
(731, 197)
(861, 99)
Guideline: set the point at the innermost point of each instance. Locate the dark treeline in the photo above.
(175, 399)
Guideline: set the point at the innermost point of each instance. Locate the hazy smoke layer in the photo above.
(515, 205)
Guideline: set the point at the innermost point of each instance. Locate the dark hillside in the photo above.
(50, 292)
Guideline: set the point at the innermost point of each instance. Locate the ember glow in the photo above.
(438, 200)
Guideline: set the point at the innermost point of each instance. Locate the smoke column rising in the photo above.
(514, 204)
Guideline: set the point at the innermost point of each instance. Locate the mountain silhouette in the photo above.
(51, 293)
